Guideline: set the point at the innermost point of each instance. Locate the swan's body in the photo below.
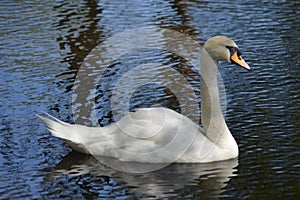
(150, 129)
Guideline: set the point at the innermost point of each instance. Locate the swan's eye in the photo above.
(233, 50)
(239, 53)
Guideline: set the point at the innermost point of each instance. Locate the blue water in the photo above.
(42, 46)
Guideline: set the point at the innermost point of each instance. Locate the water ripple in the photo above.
(43, 45)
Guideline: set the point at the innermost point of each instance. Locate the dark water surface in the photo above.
(42, 46)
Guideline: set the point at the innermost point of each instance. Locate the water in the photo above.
(43, 44)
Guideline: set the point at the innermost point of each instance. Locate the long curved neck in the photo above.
(211, 113)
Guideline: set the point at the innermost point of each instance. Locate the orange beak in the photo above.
(239, 61)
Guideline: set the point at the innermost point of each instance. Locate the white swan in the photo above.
(140, 136)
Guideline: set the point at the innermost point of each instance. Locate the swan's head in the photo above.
(221, 48)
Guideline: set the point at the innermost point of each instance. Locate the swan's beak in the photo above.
(239, 61)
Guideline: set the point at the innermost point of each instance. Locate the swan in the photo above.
(141, 136)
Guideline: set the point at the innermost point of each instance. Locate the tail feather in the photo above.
(65, 131)
(79, 137)
(54, 118)
(61, 129)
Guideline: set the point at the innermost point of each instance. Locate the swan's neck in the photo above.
(211, 113)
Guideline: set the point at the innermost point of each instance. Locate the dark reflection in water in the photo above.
(176, 180)
(42, 46)
(77, 38)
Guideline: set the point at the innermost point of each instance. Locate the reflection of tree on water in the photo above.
(83, 26)
(182, 180)
(78, 30)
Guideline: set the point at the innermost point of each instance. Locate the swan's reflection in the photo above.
(208, 180)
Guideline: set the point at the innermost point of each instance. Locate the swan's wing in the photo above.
(146, 130)
(152, 126)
